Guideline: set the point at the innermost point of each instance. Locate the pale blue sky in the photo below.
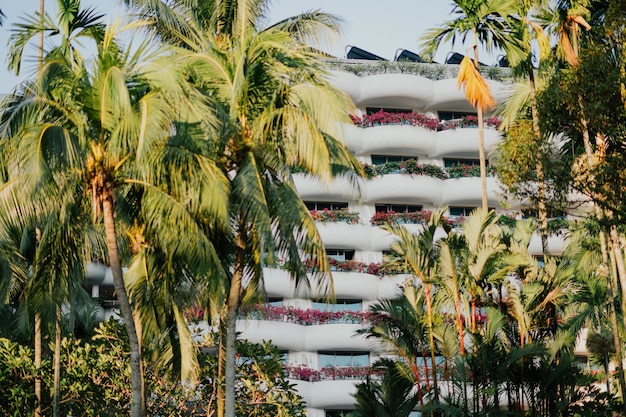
(378, 26)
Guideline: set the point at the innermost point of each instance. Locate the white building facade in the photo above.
(400, 116)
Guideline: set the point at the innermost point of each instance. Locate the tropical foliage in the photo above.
(171, 160)
(97, 375)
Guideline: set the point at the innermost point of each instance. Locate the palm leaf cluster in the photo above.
(485, 327)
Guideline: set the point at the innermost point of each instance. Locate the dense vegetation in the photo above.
(171, 163)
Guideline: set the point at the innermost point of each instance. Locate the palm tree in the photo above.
(399, 325)
(276, 111)
(490, 23)
(419, 252)
(120, 118)
(392, 396)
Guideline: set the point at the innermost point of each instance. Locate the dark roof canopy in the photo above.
(455, 58)
(407, 55)
(358, 53)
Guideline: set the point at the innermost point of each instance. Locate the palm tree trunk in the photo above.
(228, 324)
(231, 330)
(482, 158)
(137, 402)
(37, 316)
(38, 364)
(431, 338)
(481, 138)
(542, 212)
(56, 402)
(459, 318)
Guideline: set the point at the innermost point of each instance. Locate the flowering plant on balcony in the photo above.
(472, 121)
(386, 118)
(417, 217)
(304, 373)
(410, 167)
(340, 215)
(465, 171)
(416, 119)
(305, 317)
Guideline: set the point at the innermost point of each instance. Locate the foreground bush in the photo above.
(96, 379)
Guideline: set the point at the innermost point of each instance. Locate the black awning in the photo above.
(407, 55)
(358, 53)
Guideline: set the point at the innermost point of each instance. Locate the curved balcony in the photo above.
(339, 189)
(340, 235)
(348, 284)
(404, 90)
(463, 142)
(327, 394)
(298, 337)
(409, 189)
(448, 95)
(556, 244)
(468, 191)
(394, 139)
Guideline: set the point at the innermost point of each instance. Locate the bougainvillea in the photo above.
(416, 119)
(385, 217)
(304, 373)
(341, 215)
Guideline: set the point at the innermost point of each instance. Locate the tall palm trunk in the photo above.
(37, 316)
(431, 337)
(56, 403)
(542, 211)
(481, 138)
(137, 402)
(38, 364)
(228, 346)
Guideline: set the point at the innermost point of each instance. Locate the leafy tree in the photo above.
(97, 375)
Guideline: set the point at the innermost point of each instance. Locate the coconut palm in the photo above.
(276, 111)
(271, 126)
(490, 24)
(107, 132)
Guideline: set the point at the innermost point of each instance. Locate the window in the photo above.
(372, 110)
(340, 254)
(383, 159)
(461, 211)
(274, 301)
(328, 205)
(338, 413)
(453, 115)
(334, 359)
(528, 213)
(339, 305)
(450, 162)
(398, 208)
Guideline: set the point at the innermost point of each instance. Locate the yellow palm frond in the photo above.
(476, 89)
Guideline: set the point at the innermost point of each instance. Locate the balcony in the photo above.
(403, 89)
(298, 337)
(350, 284)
